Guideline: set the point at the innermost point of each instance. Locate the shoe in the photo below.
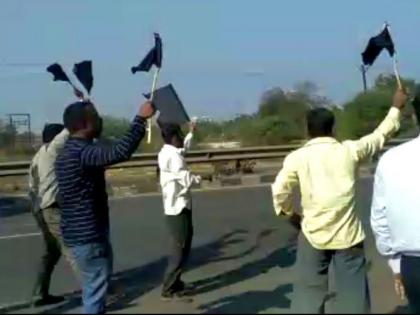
(48, 300)
(182, 288)
(176, 297)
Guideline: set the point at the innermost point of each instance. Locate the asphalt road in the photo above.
(242, 258)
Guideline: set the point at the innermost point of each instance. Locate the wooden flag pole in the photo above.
(394, 59)
(363, 70)
(396, 72)
(149, 122)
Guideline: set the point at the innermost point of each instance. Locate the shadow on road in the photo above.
(402, 309)
(138, 281)
(251, 302)
(10, 206)
(283, 258)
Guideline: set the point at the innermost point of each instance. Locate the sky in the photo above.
(220, 55)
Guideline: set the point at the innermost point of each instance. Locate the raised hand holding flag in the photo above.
(374, 47)
(153, 57)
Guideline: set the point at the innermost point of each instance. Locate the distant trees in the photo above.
(366, 110)
(279, 118)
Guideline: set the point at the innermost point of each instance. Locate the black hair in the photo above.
(50, 131)
(320, 122)
(169, 131)
(74, 114)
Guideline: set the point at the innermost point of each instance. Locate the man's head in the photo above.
(50, 131)
(172, 134)
(82, 120)
(320, 122)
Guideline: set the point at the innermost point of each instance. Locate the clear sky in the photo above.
(219, 54)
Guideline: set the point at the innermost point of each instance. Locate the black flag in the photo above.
(83, 72)
(154, 57)
(169, 105)
(375, 46)
(58, 73)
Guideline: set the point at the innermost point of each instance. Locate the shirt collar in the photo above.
(83, 140)
(169, 147)
(321, 140)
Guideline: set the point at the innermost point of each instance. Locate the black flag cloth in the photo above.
(170, 107)
(154, 57)
(83, 72)
(58, 73)
(375, 46)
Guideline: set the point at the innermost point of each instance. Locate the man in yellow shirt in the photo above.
(325, 171)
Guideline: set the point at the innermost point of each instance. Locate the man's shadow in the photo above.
(138, 281)
(11, 206)
(283, 258)
(251, 302)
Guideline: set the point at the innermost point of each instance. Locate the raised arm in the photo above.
(105, 155)
(121, 150)
(188, 141)
(371, 144)
(189, 137)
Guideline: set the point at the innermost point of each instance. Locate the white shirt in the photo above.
(175, 178)
(395, 213)
(43, 186)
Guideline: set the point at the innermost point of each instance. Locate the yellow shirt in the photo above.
(326, 172)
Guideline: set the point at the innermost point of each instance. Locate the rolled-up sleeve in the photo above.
(369, 145)
(282, 188)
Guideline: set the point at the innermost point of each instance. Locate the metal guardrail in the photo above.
(193, 157)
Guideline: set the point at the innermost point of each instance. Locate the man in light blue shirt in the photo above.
(395, 217)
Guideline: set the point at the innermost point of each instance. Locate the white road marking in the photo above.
(9, 237)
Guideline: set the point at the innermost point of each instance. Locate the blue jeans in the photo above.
(95, 264)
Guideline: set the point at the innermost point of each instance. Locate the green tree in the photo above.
(364, 113)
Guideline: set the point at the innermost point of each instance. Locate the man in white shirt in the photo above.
(43, 189)
(395, 217)
(176, 181)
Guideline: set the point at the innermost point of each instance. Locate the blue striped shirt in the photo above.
(80, 171)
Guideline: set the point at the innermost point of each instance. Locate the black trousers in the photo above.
(410, 273)
(180, 230)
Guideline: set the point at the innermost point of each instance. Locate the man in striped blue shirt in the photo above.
(80, 171)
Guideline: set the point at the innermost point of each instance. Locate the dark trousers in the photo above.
(48, 220)
(410, 273)
(311, 288)
(180, 230)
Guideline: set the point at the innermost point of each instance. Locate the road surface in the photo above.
(242, 259)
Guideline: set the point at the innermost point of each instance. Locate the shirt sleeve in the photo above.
(378, 219)
(369, 145)
(57, 144)
(188, 141)
(181, 174)
(101, 156)
(395, 264)
(34, 181)
(282, 188)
